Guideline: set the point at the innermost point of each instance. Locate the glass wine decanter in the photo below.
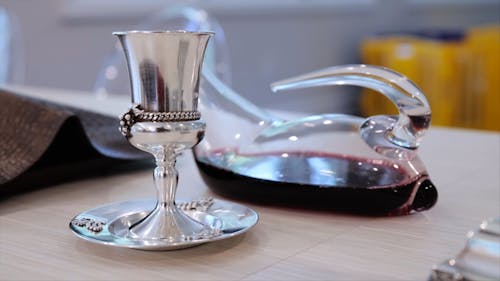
(329, 161)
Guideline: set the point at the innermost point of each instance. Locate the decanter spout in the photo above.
(227, 98)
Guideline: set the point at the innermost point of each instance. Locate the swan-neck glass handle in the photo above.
(393, 136)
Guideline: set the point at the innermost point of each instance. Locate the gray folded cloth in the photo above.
(43, 143)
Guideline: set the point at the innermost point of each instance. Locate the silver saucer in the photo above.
(110, 224)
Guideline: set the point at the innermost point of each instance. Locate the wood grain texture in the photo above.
(286, 244)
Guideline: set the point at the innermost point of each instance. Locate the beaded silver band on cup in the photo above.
(135, 114)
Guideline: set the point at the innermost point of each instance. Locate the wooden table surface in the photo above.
(286, 244)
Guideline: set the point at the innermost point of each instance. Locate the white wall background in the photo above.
(65, 42)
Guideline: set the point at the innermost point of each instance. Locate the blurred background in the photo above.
(449, 48)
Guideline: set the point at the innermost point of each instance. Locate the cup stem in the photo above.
(166, 221)
(166, 177)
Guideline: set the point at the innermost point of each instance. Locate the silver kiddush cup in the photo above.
(164, 68)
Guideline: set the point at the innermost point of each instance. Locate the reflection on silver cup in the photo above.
(164, 68)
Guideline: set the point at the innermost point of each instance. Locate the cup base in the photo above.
(111, 224)
(173, 225)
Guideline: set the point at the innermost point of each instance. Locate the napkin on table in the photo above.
(43, 143)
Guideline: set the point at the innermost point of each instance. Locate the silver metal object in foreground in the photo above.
(164, 68)
(479, 260)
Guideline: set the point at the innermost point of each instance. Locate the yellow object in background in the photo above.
(482, 83)
(459, 76)
(441, 72)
